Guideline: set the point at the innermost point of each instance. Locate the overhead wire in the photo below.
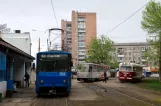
(127, 18)
(54, 12)
(22, 23)
(55, 19)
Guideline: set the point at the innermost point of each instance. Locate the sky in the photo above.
(26, 15)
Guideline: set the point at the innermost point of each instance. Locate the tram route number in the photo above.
(62, 74)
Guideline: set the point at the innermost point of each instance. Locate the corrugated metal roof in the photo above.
(15, 49)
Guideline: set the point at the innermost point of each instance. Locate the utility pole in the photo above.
(39, 45)
(160, 56)
(47, 45)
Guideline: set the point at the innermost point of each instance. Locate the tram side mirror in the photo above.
(71, 64)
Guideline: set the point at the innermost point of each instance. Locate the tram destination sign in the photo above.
(52, 55)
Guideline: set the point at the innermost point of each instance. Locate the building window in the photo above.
(81, 37)
(125, 53)
(129, 53)
(81, 55)
(81, 48)
(81, 51)
(69, 25)
(81, 33)
(81, 44)
(80, 40)
(129, 58)
(80, 59)
(69, 38)
(120, 58)
(69, 32)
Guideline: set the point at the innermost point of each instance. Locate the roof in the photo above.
(154, 69)
(15, 49)
(130, 64)
(55, 52)
(94, 64)
(132, 44)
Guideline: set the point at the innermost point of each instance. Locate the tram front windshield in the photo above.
(53, 63)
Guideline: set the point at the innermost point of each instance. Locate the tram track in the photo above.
(117, 97)
(35, 102)
(47, 101)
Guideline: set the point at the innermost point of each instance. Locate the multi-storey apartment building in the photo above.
(131, 52)
(66, 35)
(83, 30)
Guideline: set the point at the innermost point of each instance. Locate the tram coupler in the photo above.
(51, 92)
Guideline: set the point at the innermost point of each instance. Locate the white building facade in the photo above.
(20, 40)
(16, 59)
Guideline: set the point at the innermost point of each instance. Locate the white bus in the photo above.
(93, 72)
(130, 72)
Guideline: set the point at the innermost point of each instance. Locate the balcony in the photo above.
(68, 29)
(81, 19)
(81, 30)
(120, 56)
(120, 61)
(143, 60)
(80, 53)
(80, 26)
(81, 61)
(143, 50)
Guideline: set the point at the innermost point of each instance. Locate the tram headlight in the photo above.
(64, 81)
(42, 81)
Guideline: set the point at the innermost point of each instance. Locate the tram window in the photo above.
(53, 64)
(71, 64)
(126, 68)
(90, 68)
(134, 68)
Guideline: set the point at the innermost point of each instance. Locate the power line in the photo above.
(20, 23)
(128, 18)
(54, 13)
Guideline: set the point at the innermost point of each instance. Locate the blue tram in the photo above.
(53, 73)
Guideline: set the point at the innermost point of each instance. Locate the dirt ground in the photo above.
(83, 92)
(131, 89)
(88, 94)
(27, 97)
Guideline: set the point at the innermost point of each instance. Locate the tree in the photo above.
(152, 53)
(101, 50)
(151, 22)
(79, 67)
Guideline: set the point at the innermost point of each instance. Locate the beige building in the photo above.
(83, 30)
(131, 52)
